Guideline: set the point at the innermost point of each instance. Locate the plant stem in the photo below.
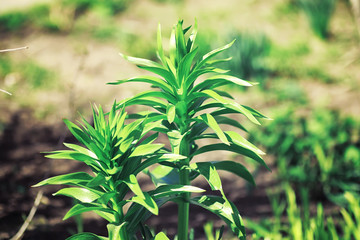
(183, 207)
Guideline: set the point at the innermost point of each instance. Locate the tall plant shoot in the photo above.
(187, 108)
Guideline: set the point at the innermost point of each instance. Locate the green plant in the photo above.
(248, 55)
(318, 150)
(188, 107)
(115, 152)
(318, 13)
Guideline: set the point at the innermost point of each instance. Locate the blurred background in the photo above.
(305, 55)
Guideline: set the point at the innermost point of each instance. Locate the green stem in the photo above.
(183, 207)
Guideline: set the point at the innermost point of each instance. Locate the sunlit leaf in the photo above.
(166, 190)
(170, 113)
(209, 172)
(81, 194)
(86, 236)
(211, 122)
(69, 179)
(225, 210)
(86, 207)
(147, 201)
(232, 148)
(161, 236)
(143, 150)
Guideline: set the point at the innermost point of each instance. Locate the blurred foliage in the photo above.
(292, 61)
(80, 6)
(26, 73)
(302, 226)
(318, 13)
(58, 16)
(249, 52)
(319, 150)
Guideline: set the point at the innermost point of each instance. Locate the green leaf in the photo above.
(192, 38)
(226, 103)
(147, 201)
(161, 236)
(229, 121)
(97, 181)
(211, 122)
(143, 150)
(209, 172)
(170, 113)
(116, 231)
(73, 155)
(86, 236)
(185, 65)
(156, 159)
(160, 46)
(235, 168)
(69, 179)
(213, 53)
(168, 76)
(225, 210)
(175, 138)
(239, 140)
(141, 61)
(164, 175)
(86, 207)
(220, 80)
(166, 190)
(180, 41)
(134, 186)
(148, 79)
(81, 194)
(232, 148)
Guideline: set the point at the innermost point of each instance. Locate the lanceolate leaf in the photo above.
(232, 148)
(167, 190)
(170, 113)
(156, 159)
(147, 79)
(86, 207)
(147, 201)
(81, 194)
(134, 186)
(226, 103)
(160, 50)
(116, 231)
(140, 61)
(208, 170)
(143, 150)
(73, 155)
(225, 210)
(239, 140)
(86, 236)
(161, 236)
(211, 122)
(235, 168)
(69, 179)
(213, 53)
